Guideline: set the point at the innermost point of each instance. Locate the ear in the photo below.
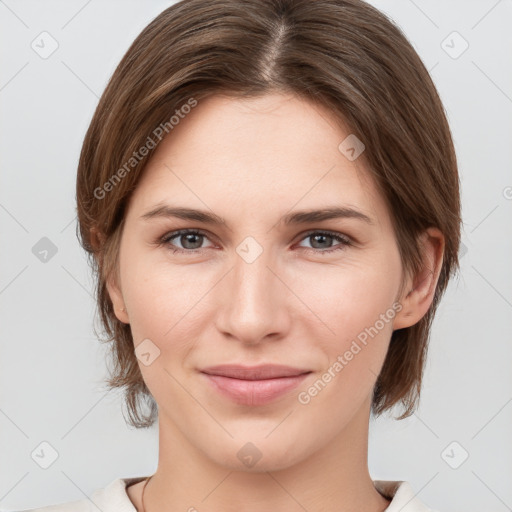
(420, 289)
(116, 296)
(114, 291)
(96, 239)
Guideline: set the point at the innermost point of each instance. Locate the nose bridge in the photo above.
(252, 282)
(255, 299)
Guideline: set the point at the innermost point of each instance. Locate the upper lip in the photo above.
(260, 372)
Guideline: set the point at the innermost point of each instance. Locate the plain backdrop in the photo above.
(456, 450)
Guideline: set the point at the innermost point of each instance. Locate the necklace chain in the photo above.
(143, 489)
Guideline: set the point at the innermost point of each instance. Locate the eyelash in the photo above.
(166, 239)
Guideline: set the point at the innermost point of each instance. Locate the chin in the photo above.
(259, 455)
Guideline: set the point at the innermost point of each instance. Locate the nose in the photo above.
(254, 300)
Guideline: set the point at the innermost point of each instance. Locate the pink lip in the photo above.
(256, 385)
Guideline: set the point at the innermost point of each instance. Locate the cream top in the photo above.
(114, 498)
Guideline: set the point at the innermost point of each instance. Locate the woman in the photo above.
(269, 194)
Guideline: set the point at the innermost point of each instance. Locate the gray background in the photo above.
(51, 365)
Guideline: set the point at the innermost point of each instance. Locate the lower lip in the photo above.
(254, 392)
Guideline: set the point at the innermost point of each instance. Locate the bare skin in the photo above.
(251, 162)
(135, 494)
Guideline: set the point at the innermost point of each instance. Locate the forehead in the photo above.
(276, 150)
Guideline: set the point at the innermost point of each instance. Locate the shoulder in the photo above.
(402, 496)
(112, 498)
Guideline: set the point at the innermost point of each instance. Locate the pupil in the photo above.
(316, 237)
(189, 238)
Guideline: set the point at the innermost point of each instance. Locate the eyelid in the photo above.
(344, 241)
(170, 235)
(329, 232)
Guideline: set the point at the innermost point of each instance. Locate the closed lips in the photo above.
(262, 372)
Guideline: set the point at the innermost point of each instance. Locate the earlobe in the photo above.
(419, 293)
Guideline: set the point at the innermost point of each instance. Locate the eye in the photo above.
(190, 240)
(322, 238)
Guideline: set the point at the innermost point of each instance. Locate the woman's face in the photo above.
(256, 289)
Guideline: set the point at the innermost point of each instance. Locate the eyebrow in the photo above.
(294, 218)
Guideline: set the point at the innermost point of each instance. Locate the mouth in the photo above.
(261, 372)
(257, 385)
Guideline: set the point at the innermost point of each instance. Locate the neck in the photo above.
(333, 477)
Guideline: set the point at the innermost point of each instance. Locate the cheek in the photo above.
(355, 306)
(163, 300)
(348, 297)
(164, 307)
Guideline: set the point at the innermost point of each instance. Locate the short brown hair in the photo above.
(342, 54)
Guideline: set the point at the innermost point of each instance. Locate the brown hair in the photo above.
(342, 54)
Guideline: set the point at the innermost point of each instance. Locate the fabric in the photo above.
(114, 498)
